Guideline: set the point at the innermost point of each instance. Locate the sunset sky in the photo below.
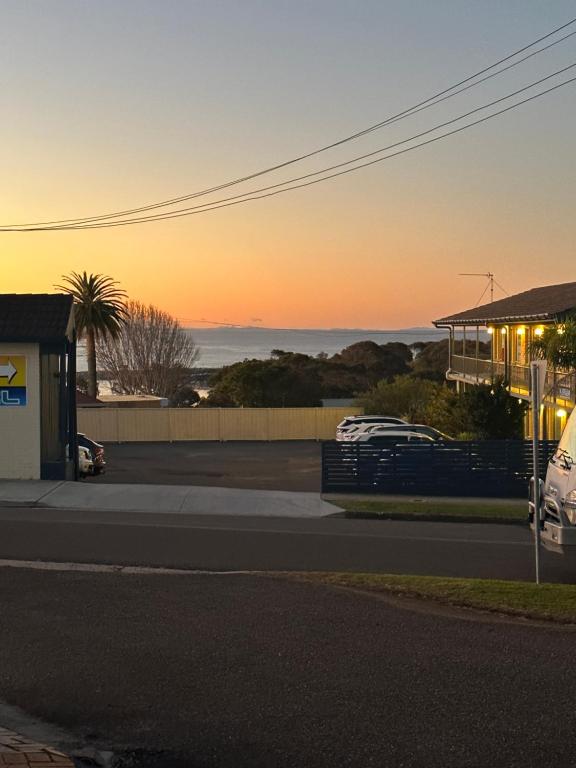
(115, 104)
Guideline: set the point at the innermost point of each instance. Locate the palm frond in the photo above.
(100, 304)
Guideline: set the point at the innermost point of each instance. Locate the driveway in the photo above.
(253, 672)
(287, 465)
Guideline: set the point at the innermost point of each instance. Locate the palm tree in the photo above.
(100, 312)
(557, 345)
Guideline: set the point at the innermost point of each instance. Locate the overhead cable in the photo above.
(425, 104)
(255, 194)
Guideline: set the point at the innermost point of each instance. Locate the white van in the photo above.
(558, 495)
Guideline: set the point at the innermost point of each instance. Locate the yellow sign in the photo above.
(12, 371)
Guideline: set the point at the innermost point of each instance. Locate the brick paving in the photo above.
(17, 751)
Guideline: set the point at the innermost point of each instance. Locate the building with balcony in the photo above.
(494, 340)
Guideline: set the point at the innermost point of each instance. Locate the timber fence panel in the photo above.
(292, 424)
(100, 424)
(244, 423)
(195, 423)
(172, 424)
(143, 425)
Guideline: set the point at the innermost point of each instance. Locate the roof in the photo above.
(36, 317)
(549, 302)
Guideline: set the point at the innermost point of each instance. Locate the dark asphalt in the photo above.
(288, 465)
(234, 543)
(251, 672)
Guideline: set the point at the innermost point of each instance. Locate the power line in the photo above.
(425, 104)
(365, 156)
(253, 195)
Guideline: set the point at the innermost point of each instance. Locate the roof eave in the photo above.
(486, 320)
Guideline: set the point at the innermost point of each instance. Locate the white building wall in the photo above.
(20, 425)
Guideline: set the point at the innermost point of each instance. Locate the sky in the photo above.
(115, 104)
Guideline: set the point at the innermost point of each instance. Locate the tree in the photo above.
(485, 412)
(492, 414)
(150, 355)
(264, 384)
(557, 345)
(406, 397)
(82, 382)
(185, 397)
(431, 361)
(376, 361)
(100, 313)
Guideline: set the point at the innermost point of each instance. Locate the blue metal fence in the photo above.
(490, 468)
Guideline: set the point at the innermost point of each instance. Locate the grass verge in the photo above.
(433, 511)
(549, 602)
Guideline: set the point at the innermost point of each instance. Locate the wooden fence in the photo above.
(496, 468)
(119, 425)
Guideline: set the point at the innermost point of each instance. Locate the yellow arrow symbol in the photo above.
(8, 371)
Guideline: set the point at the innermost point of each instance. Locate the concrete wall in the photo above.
(20, 425)
(119, 425)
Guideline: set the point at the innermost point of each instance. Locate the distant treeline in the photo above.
(296, 379)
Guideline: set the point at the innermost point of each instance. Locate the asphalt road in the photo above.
(252, 672)
(233, 543)
(286, 466)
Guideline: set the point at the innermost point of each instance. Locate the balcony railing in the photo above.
(476, 369)
(560, 387)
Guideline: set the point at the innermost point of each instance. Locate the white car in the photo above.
(392, 437)
(422, 429)
(352, 423)
(85, 463)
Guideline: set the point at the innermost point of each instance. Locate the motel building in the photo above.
(493, 341)
(37, 387)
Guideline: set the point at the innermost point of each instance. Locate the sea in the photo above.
(223, 346)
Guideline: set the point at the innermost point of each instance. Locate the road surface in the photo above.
(232, 671)
(229, 543)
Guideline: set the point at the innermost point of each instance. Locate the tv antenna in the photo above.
(490, 284)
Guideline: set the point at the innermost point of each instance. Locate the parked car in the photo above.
(85, 463)
(391, 437)
(352, 423)
(96, 451)
(423, 429)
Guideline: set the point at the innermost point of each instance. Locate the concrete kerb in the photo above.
(25, 493)
(197, 500)
(333, 497)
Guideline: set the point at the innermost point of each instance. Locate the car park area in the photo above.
(287, 465)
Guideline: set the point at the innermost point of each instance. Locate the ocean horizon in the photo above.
(227, 345)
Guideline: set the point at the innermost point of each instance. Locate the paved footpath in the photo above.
(177, 499)
(18, 751)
